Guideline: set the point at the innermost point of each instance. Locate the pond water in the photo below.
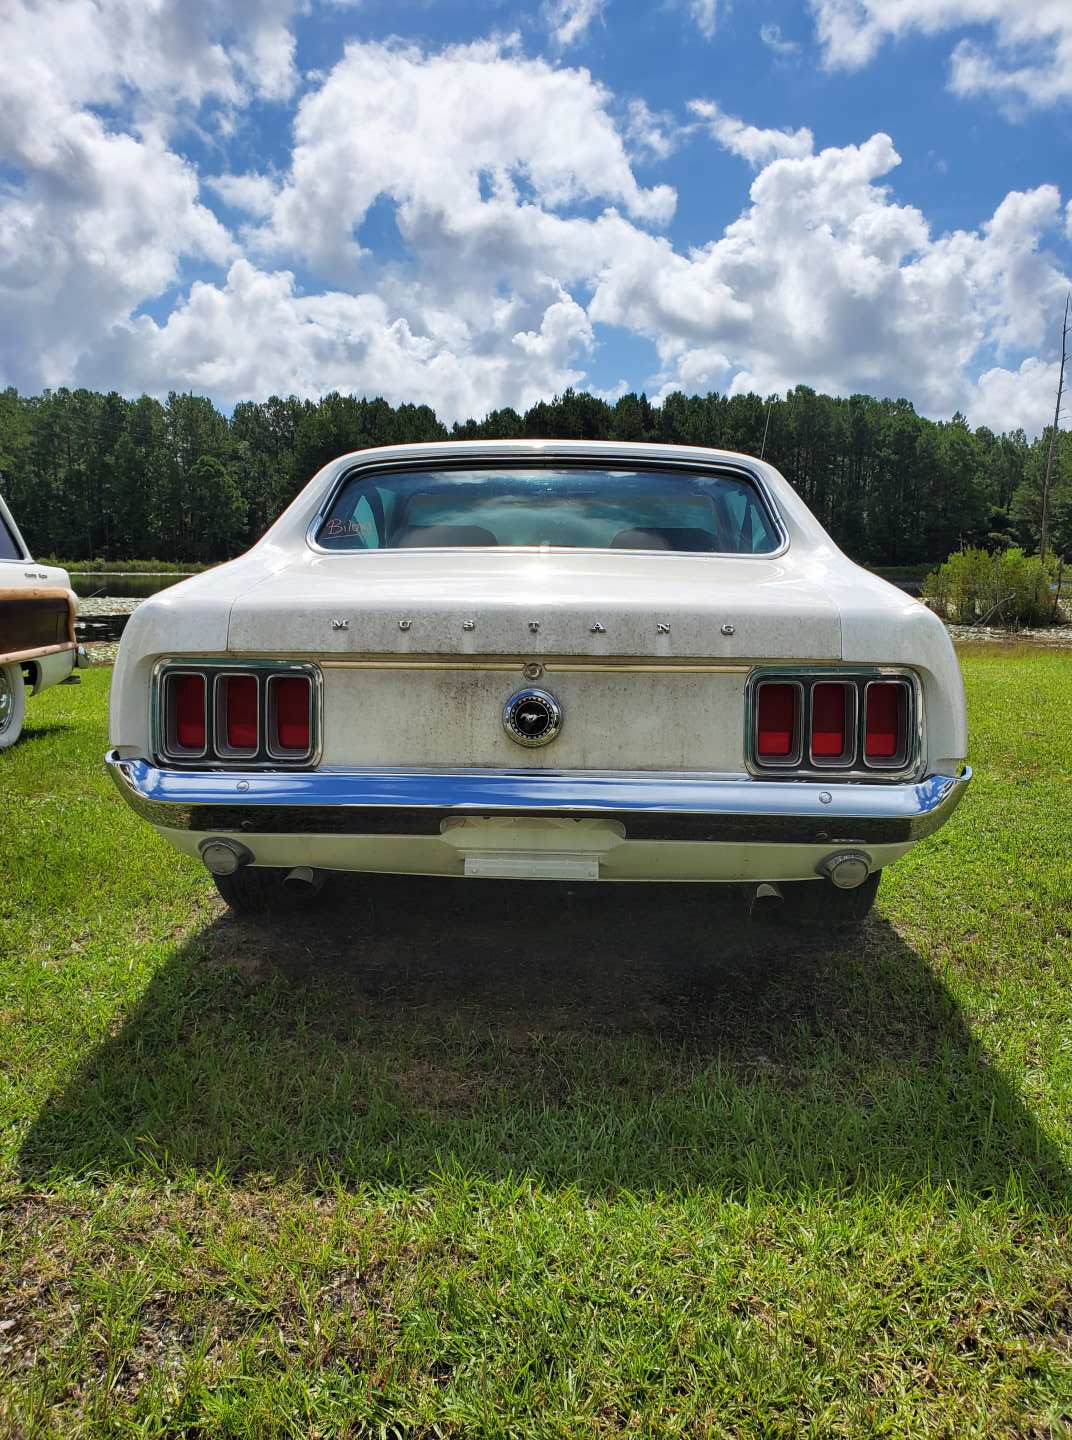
(126, 586)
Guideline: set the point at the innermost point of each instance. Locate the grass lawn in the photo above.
(447, 1160)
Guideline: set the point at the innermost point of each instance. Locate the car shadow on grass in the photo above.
(645, 1037)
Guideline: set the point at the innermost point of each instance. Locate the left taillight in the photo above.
(262, 714)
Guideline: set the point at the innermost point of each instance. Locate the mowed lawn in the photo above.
(490, 1160)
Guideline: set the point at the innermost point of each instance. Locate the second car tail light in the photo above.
(833, 713)
(778, 722)
(290, 701)
(886, 723)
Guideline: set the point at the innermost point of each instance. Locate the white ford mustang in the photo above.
(546, 660)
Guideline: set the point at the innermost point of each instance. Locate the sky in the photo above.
(478, 204)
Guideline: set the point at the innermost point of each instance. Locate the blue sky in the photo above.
(478, 204)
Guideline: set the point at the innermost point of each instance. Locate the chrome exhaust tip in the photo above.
(304, 880)
(848, 869)
(222, 856)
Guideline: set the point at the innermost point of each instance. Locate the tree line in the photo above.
(90, 474)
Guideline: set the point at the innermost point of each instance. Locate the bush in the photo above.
(1009, 588)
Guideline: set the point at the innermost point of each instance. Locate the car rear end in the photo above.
(542, 711)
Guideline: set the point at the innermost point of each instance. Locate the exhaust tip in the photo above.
(848, 869)
(222, 856)
(303, 880)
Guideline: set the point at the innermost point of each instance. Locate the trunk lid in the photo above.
(533, 603)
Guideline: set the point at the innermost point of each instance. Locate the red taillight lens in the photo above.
(188, 701)
(884, 730)
(240, 711)
(830, 720)
(776, 721)
(291, 704)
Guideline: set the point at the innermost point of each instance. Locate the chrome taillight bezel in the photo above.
(853, 763)
(218, 754)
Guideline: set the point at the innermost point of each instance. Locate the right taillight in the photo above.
(825, 723)
(886, 723)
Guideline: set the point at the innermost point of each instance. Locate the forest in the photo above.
(99, 475)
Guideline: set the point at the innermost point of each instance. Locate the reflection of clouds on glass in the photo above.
(570, 507)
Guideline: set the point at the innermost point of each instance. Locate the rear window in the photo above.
(563, 507)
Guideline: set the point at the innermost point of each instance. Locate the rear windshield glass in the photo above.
(573, 508)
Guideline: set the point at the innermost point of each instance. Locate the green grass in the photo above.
(492, 1160)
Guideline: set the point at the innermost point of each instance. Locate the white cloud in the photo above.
(772, 37)
(826, 280)
(1016, 399)
(569, 20)
(102, 214)
(705, 13)
(101, 52)
(523, 230)
(390, 121)
(256, 334)
(756, 146)
(253, 194)
(1029, 61)
(652, 134)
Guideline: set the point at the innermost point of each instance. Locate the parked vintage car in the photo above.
(559, 660)
(37, 640)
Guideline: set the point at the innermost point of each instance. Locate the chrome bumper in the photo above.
(651, 806)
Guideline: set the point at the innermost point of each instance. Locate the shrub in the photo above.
(1008, 588)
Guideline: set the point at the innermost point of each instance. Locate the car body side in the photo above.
(38, 647)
